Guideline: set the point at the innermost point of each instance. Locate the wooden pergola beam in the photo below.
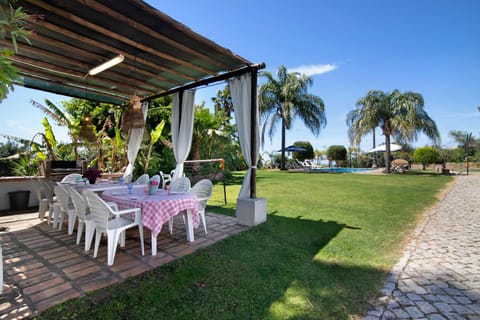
(207, 81)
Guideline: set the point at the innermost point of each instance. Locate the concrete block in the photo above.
(251, 212)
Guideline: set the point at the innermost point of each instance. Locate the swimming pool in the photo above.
(340, 170)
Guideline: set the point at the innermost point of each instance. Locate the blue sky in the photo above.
(349, 47)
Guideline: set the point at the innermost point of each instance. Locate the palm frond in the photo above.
(59, 121)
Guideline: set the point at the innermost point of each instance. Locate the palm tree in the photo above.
(397, 114)
(223, 103)
(368, 102)
(286, 98)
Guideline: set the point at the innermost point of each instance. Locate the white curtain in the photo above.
(240, 89)
(182, 128)
(134, 142)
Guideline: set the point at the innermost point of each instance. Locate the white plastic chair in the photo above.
(49, 194)
(181, 184)
(63, 208)
(37, 187)
(143, 179)
(72, 177)
(114, 228)
(203, 190)
(166, 178)
(84, 220)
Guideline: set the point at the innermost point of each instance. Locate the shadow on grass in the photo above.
(272, 271)
(423, 173)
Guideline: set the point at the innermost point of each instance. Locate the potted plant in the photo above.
(152, 187)
(92, 174)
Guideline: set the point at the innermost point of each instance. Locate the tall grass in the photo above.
(323, 253)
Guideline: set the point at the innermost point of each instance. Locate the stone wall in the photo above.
(453, 166)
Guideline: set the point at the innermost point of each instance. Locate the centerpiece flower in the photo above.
(92, 174)
(152, 186)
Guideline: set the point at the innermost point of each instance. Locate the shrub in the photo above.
(425, 155)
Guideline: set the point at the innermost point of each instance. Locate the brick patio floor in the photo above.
(44, 266)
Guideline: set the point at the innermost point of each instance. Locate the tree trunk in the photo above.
(196, 156)
(147, 161)
(75, 148)
(374, 162)
(387, 153)
(282, 158)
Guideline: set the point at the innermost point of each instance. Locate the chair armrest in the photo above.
(136, 211)
(112, 205)
(131, 210)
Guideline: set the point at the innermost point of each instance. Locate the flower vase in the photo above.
(92, 180)
(152, 190)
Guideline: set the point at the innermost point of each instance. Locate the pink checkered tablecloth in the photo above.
(156, 209)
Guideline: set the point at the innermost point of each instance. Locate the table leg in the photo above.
(189, 226)
(154, 245)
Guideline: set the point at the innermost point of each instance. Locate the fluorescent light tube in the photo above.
(104, 66)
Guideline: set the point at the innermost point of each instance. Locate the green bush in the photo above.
(425, 155)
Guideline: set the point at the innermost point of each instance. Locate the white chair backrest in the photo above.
(143, 179)
(203, 190)
(37, 188)
(62, 197)
(79, 203)
(72, 177)
(48, 189)
(165, 177)
(181, 184)
(98, 209)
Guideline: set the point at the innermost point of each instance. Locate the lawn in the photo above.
(323, 253)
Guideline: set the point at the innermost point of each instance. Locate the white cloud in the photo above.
(12, 123)
(314, 69)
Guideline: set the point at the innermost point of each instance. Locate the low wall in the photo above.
(11, 184)
(453, 166)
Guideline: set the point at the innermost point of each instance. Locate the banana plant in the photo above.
(155, 135)
(62, 119)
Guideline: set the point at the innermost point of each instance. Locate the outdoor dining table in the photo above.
(100, 186)
(157, 209)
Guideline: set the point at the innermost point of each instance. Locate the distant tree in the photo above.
(425, 155)
(302, 155)
(461, 138)
(400, 115)
(337, 153)
(9, 153)
(222, 103)
(286, 98)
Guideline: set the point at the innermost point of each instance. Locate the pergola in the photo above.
(159, 56)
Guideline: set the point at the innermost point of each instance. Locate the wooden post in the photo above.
(180, 103)
(253, 132)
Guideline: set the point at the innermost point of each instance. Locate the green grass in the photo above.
(323, 253)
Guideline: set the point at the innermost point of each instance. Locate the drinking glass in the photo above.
(130, 187)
